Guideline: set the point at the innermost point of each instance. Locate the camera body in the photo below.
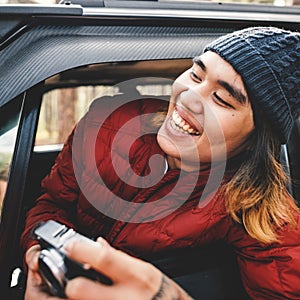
(54, 266)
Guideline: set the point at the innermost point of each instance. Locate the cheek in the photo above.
(237, 132)
(226, 132)
(180, 84)
(171, 106)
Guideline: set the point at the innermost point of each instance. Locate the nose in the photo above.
(192, 100)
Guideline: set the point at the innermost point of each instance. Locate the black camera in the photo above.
(54, 266)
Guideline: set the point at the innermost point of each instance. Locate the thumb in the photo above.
(32, 256)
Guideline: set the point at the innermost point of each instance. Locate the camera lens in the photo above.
(53, 270)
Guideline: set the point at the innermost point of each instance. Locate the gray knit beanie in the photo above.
(268, 60)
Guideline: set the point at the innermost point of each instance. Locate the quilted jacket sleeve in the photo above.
(269, 271)
(60, 188)
(60, 192)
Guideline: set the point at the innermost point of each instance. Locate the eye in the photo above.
(195, 77)
(221, 101)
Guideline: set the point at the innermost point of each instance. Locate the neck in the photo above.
(186, 166)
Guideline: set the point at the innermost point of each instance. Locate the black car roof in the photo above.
(38, 41)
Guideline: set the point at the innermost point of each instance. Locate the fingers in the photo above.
(32, 256)
(100, 256)
(34, 289)
(132, 278)
(115, 264)
(76, 290)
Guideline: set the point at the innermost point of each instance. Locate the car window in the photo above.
(8, 135)
(7, 143)
(62, 108)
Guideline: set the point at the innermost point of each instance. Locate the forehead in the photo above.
(213, 61)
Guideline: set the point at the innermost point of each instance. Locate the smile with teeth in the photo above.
(181, 125)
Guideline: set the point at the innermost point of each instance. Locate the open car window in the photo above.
(65, 102)
(9, 116)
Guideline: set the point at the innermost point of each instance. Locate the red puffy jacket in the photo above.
(142, 208)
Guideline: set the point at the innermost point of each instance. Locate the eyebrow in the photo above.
(233, 91)
(199, 62)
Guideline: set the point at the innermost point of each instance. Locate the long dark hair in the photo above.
(257, 195)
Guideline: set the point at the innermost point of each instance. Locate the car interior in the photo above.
(209, 273)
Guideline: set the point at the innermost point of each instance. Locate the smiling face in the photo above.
(209, 117)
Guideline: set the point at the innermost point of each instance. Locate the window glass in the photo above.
(9, 120)
(7, 143)
(62, 108)
(70, 93)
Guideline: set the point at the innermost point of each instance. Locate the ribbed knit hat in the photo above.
(268, 60)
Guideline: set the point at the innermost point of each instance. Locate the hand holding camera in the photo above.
(55, 268)
(131, 278)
